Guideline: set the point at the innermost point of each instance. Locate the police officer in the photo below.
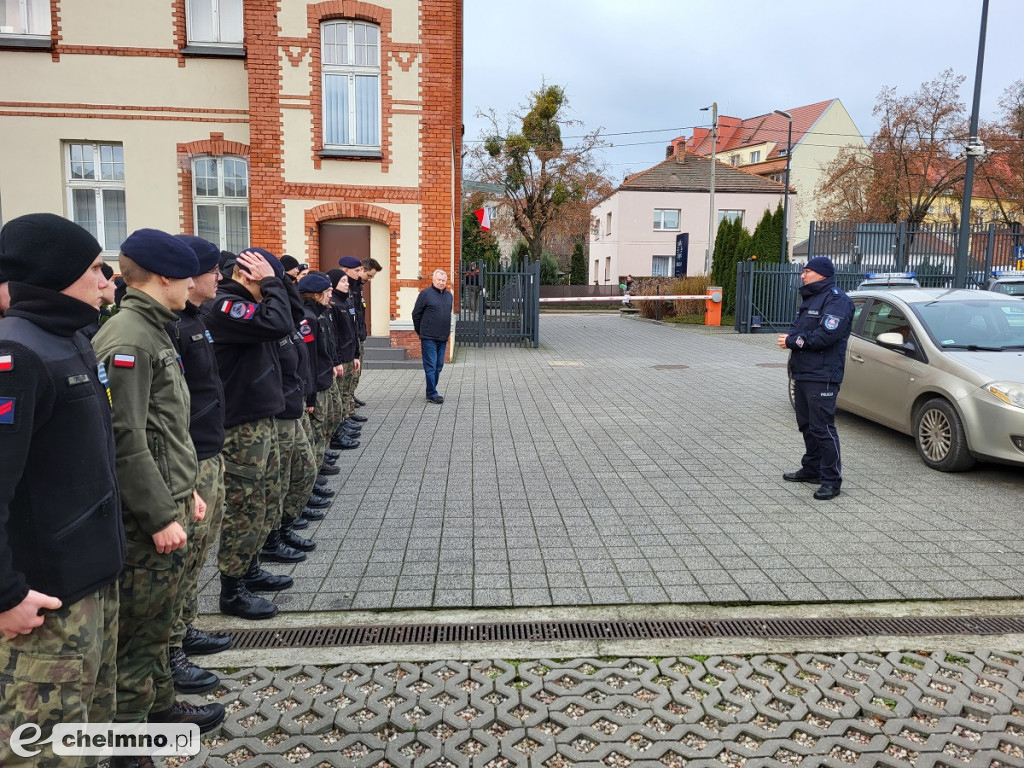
(818, 339)
(344, 330)
(248, 317)
(358, 276)
(61, 536)
(206, 428)
(156, 472)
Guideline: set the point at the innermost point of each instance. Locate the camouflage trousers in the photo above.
(64, 671)
(299, 468)
(348, 390)
(320, 423)
(337, 407)
(149, 605)
(201, 535)
(251, 466)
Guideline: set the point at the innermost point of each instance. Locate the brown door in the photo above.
(337, 240)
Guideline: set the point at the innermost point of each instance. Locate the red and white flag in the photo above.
(484, 219)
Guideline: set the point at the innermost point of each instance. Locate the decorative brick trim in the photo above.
(295, 57)
(55, 35)
(112, 116)
(114, 50)
(353, 211)
(179, 22)
(351, 193)
(405, 56)
(215, 146)
(318, 13)
(119, 107)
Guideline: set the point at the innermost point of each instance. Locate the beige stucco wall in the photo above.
(634, 240)
(126, 23)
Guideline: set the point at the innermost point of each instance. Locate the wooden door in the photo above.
(337, 240)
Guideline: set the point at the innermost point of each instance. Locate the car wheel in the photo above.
(940, 438)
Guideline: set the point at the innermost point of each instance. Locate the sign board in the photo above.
(682, 254)
(1019, 251)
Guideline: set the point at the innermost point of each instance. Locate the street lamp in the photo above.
(785, 195)
(711, 216)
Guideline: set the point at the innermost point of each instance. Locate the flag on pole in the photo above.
(483, 218)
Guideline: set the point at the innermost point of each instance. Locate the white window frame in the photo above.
(731, 214)
(608, 225)
(27, 12)
(659, 219)
(734, 160)
(666, 262)
(222, 200)
(755, 156)
(350, 139)
(220, 37)
(106, 178)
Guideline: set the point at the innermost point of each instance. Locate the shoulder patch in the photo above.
(124, 361)
(7, 410)
(241, 310)
(835, 291)
(306, 332)
(831, 322)
(6, 362)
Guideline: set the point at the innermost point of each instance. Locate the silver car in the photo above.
(944, 366)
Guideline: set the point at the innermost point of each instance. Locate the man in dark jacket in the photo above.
(432, 319)
(61, 537)
(818, 339)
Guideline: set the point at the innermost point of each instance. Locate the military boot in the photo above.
(139, 761)
(197, 643)
(237, 600)
(276, 551)
(293, 540)
(207, 717)
(189, 677)
(259, 580)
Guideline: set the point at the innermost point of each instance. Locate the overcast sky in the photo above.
(649, 65)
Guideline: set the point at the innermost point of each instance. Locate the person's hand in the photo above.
(339, 370)
(24, 617)
(782, 340)
(170, 538)
(258, 266)
(310, 409)
(199, 508)
(357, 365)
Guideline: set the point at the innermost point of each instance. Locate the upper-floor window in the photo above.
(220, 199)
(25, 17)
(215, 22)
(351, 84)
(734, 160)
(666, 218)
(608, 226)
(730, 215)
(95, 191)
(755, 156)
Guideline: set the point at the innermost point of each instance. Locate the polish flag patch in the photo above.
(226, 306)
(124, 361)
(6, 362)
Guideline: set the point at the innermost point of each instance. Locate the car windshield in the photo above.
(1011, 289)
(969, 324)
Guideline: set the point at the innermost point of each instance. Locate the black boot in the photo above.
(259, 580)
(276, 551)
(331, 455)
(197, 643)
(316, 501)
(188, 677)
(312, 514)
(138, 761)
(329, 469)
(357, 418)
(324, 490)
(293, 540)
(359, 403)
(300, 523)
(237, 600)
(344, 443)
(206, 717)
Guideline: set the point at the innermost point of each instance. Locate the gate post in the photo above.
(713, 306)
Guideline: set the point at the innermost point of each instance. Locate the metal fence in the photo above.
(498, 307)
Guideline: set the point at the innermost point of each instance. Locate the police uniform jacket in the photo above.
(344, 317)
(355, 291)
(60, 519)
(245, 337)
(432, 314)
(195, 345)
(292, 379)
(156, 459)
(819, 334)
(316, 333)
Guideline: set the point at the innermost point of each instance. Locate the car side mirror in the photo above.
(890, 339)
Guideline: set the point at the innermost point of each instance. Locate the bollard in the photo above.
(713, 306)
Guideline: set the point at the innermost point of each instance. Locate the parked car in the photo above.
(889, 280)
(944, 366)
(1010, 282)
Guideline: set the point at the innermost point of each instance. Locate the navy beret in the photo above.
(275, 263)
(349, 262)
(161, 253)
(207, 253)
(314, 282)
(46, 250)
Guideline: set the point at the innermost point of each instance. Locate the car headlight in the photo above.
(1010, 392)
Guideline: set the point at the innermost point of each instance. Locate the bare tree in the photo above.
(1000, 177)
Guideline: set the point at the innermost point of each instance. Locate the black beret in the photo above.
(350, 262)
(289, 262)
(314, 282)
(275, 262)
(46, 250)
(161, 253)
(207, 253)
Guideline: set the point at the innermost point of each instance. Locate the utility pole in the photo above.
(711, 215)
(785, 195)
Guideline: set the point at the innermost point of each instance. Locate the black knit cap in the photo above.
(207, 253)
(289, 262)
(46, 250)
(335, 275)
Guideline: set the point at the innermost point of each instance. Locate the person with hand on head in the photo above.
(817, 343)
(61, 536)
(157, 471)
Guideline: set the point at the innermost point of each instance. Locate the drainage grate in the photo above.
(537, 631)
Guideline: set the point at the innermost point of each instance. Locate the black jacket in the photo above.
(316, 331)
(346, 332)
(432, 314)
(245, 335)
(293, 377)
(819, 334)
(195, 345)
(355, 291)
(60, 513)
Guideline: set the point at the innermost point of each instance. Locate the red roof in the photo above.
(735, 133)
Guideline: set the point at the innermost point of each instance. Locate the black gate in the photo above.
(498, 307)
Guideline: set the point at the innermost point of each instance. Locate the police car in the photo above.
(1008, 281)
(889, 280)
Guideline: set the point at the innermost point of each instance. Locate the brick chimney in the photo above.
(680, 151)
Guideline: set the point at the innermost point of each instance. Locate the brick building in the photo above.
(318, 129)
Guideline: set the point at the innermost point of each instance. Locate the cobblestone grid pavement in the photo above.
(627, 463)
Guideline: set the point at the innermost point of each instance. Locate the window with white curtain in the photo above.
(95, 191)
(25, 17)
(214, 22)
(351, 84)
(661, 266)
(220, 200)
